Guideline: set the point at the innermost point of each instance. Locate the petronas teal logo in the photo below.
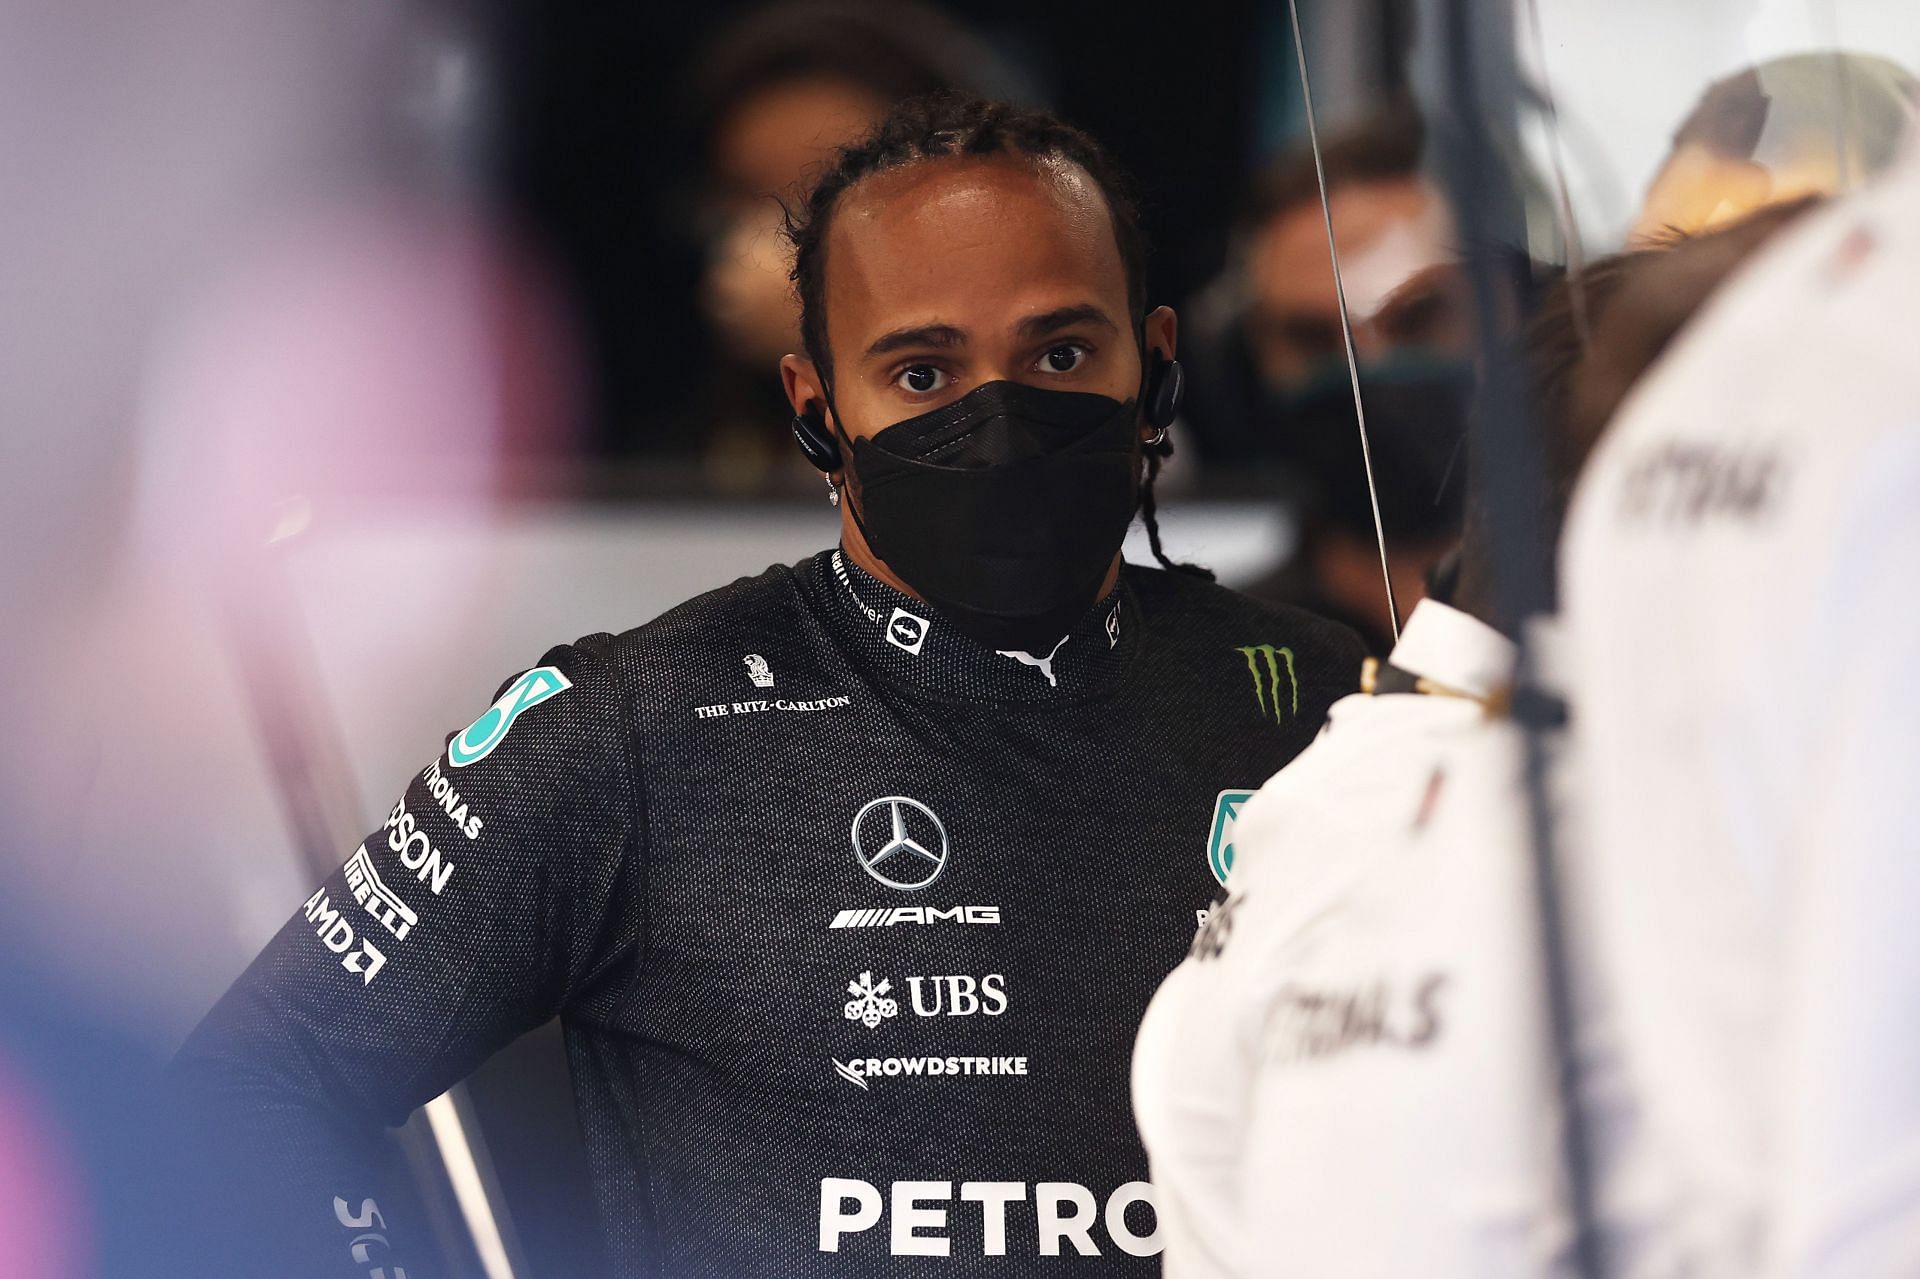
(1264, 663)
(1226, 814)
(485, 733)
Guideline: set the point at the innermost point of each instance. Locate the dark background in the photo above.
(597, 157)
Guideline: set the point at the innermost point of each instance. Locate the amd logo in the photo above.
(336, 934)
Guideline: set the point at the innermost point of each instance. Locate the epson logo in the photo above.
(1064, 1213)
(888, 916)
(417, 853)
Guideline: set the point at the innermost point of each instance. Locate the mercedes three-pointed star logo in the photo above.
(889, 852)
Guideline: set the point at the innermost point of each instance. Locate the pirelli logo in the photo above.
(888, 916)
(381, 902)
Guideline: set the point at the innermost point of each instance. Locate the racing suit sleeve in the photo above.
(494, 892)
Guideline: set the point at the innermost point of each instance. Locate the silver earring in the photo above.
(833, 493)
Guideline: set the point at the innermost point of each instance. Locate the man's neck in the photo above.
(854, 544)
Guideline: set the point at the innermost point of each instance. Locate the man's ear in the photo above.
(813, 426)
(806, 392)
(1163, 331)
(1164, 381)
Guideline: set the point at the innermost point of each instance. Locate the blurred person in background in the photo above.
(774, 97)
(1739, 573)
(1805, 124)
(1272, 392)
(849, 882)
(1359, 1034)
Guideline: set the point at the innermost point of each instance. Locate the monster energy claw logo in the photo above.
(1263, 663)
(485, 733)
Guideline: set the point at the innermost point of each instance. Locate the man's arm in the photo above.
(494, 891)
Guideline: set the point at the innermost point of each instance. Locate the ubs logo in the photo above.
(900, 842)
(952, 995)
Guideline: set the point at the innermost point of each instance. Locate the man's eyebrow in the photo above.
(1064, 317)
(940, 335)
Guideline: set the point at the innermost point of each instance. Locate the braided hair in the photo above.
(944, 126)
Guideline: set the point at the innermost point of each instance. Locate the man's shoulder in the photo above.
(578, 711)
(765, 602)
(733, 634)
(1189, 608)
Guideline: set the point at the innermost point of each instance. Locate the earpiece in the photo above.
(1166, 388)
(810, 432)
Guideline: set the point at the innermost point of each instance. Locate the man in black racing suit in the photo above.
(850, 881)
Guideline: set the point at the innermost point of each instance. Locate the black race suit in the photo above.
(849, 923)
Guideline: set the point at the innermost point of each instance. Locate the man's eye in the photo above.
(920, 379)
(1063, 359)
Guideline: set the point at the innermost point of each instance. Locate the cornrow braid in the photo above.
(944, 126)
(1157, 454)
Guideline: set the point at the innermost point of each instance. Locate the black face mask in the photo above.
(1417, 425)
(1003, 509)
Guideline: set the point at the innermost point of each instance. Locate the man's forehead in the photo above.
(941, 192)
(944, 234)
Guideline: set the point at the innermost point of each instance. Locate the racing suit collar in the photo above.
(905, 641)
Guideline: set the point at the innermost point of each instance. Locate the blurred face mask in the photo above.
(1417, 405)
(1003, 509)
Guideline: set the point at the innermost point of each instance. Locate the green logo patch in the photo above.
(485, 733)
(1264, 663)
(1226, 812)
